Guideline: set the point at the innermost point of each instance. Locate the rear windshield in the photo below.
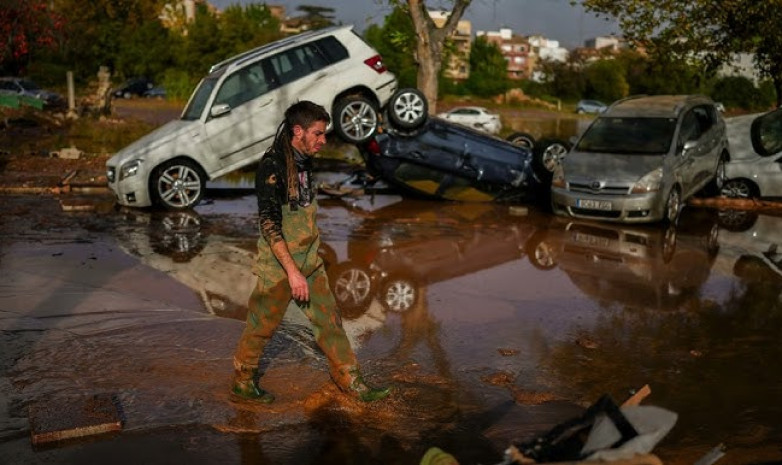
(632, 136)
(199, 98)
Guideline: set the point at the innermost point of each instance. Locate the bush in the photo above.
(738, 92)
(178, 84)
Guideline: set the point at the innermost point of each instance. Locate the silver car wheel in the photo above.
(737, 189)
(358, 120)
(553, 155)
(409, 107)
(673, 205)
(399, 296)
(352, 287)
(721, 175)
(179, 186)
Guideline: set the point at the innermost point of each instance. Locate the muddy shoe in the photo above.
(366, 393)
(248, 390)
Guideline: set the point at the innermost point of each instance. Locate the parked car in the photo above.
(474, 117)
(134, 87)
(755, 166)
(590, 106)
(23, 87)
(641, 159)
(233, 114)
(156, 92)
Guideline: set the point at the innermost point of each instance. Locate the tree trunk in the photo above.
(778, 88)
(428, 68)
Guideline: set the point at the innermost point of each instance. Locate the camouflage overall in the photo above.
(272, 294)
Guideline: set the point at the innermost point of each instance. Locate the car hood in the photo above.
(623, 168)
(160, 136)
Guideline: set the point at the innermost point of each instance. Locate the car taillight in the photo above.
(373, 147)
(376, 63)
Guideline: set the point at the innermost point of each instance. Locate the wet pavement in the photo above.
(492, 323)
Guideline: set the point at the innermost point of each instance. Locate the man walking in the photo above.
(288, 266)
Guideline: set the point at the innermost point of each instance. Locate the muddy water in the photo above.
(491, 326)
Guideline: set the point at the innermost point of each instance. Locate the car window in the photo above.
(766, 132)
(291, 65)
(7, 85)
(691, 128)
(314, 56)
(641, 136)
(705, 118)
(244, 85)
(201, 95)
(332, 49)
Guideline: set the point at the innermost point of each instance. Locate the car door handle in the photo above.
(265, 103)
(320, 76)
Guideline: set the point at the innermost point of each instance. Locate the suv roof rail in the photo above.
(276, 45)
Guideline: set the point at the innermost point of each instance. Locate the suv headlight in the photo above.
(558, 177)
(129, 169)
(649, 183)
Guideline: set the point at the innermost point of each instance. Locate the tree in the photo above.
(26, 27)
(605, 80)
(430, 43)
(395, 41)
(710, 30)
(488, 69)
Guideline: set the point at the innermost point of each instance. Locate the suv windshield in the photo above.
(641, 136)
(199, 99)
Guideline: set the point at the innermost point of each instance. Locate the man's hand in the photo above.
(299, 289)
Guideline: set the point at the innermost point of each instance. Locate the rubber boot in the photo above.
(245, 387)
(364, 392)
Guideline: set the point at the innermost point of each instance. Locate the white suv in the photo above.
(232, 116)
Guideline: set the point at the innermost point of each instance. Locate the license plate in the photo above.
(594, 204)
(589, 239)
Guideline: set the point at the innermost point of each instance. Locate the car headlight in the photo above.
(649, 183)
(129, 169)
(558, 177)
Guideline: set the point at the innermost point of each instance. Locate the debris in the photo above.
(638, 396)
(68, 153)
(507, 352)
(712, 456)
(517, 210)
(58, 419)
(587, 343)
(436, 456)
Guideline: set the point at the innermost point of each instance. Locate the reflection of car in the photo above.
(474, 117)
(755, 249)
(26, 88)
(641, 159)
(639, 266)
(755, 166)
(590, 106)
(134, 87)
(232, 116)
(449, 161)
(391, 262)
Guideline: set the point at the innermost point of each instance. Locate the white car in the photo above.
(755, 165)
(474, 117)
(233, 115)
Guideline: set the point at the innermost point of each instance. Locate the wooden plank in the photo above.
(60, 419)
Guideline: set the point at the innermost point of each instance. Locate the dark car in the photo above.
(135, 87)
(22, 87)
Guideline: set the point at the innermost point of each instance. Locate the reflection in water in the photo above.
(694, 311)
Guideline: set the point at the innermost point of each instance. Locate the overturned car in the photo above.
(435, 158)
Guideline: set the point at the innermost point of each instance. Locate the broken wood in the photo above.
(59, 419)
(639, 396)
(736, 204)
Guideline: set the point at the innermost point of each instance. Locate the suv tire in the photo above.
(355, 119)
(408, 109)
(178, 184)
(522, 139)
(546, 155)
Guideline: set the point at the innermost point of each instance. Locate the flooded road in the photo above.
(493, 324)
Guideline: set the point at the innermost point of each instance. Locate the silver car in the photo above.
(754, 169)
(641, 159)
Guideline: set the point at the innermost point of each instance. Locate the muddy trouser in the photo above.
(269, 301)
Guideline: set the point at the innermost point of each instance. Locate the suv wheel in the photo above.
(408, 108)
(356, 119)
(178, 185)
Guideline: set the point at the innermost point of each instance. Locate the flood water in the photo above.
(492, 324)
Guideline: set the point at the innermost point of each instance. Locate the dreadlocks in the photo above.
(303, 114)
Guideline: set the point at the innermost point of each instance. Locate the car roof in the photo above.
(277, 45)
(655, 106)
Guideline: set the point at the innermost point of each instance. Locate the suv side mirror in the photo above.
(219, 110)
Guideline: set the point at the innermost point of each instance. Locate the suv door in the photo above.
(302, 75)
(709, 143)
(241, 135)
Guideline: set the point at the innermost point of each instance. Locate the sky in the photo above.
(554, 19)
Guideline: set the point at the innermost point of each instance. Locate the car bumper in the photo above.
(385, 90)
(635, 208)
(132, 191)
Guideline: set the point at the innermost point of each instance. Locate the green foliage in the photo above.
(146, 51)
(565, 80)
(488, 70)
(739, 92)
(178, 84)
(395, 41)
(605, 80)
